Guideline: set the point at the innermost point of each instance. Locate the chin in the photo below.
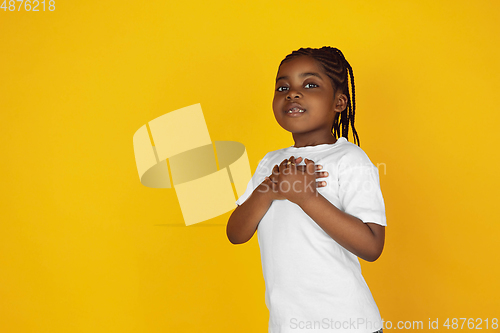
(287, 128)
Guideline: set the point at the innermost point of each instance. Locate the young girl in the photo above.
(317, 204)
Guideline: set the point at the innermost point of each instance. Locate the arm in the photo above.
(366, 240)
(245, 218)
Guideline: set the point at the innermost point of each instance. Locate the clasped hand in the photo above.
(296, 183)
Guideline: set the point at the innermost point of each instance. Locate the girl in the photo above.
(317, 204)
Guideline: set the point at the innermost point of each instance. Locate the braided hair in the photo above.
(338, 70)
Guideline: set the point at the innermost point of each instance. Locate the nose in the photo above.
(292, 94)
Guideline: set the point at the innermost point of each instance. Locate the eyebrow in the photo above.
(301, 75)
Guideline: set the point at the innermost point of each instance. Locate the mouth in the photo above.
(294, 110)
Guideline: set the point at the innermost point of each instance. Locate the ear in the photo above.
(340, 102)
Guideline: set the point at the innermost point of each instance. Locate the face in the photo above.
(304, 99)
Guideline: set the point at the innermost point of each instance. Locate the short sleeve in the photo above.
(359, 188)
(257, 178)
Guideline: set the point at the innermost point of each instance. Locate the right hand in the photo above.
(269, 185)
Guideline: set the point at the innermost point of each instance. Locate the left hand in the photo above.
(297, 183)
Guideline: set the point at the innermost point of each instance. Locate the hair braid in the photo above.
(338, 69)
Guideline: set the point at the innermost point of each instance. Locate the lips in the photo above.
(293, 109)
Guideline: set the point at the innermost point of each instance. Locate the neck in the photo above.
(303, 140)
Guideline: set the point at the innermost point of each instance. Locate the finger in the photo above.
(282, 165)
(303, 168)
(291, 164)
(267, 181)
(310, 169)
(321, 184)
(321, 174)
(317, 167)
(270, 184)
(298, 160)
(276, 171)
(285, 167)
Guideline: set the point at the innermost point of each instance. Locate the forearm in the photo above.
(245, 218)
(347, 230)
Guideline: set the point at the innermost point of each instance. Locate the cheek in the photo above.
(277, 116)
(276, 106)
(275, 102)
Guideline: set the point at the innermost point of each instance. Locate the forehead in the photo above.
(300, 65)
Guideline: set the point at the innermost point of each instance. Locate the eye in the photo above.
(282, 88)
(311, 85)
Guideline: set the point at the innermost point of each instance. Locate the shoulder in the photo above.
(352, 154)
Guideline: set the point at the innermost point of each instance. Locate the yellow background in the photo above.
(84, 247)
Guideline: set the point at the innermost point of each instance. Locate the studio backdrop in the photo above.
(87, 246)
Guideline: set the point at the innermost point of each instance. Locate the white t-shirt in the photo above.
(312, 283)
